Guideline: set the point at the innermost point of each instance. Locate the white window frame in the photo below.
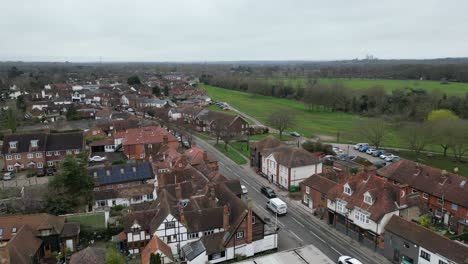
(341, 206)
(413, 190)
(361, 216)
(440, 201)
(13, 144)
(18, 156)
(38, 155)
(193, 235)
(50, 163)
(170, 225)
(8, 157)
(69, 152)
(456, 207)
(40, 165)
(307, 189)
(368, 199)
(77, 151)
(423, 254)
(49, 153)
(240, 235)
(10, 168)
(34, 143)
(56, 153)
(30, 155)
(425, 196)
(347, 189)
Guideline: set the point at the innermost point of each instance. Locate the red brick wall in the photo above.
(24, 159)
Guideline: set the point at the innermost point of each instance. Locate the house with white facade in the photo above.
(288, 166)
(174, 114)
(361, 206)
(408, 242)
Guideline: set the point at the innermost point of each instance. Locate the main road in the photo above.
(298, 227)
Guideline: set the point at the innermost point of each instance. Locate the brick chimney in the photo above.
(226, 215)
(178, 192)
(249, 225)
(165, 140)
(402, 195)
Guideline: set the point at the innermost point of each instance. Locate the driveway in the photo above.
(20, 180)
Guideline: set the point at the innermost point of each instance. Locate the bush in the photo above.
(318, 147)
(118, 162)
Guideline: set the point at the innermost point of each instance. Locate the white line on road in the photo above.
(318, 237)
(295, 220)
(246, 182)
(294, 234)
(336, 250)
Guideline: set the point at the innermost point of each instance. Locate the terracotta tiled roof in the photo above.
(146, 135)
(384, 193)
(292, 157)
(267, 143)
(22, 246)
(319, 183)
(154, 245)
(427, 239)
(449, 186)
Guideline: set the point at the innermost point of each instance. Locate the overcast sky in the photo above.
(217, 30)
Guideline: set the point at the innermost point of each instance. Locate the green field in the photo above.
(89, 222)
(452, 88)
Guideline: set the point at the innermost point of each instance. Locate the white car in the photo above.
(97, 159)
(348, 260)
(358, 145)
(371, 151)
(392, 158)
(8, 176)
(337, 150)
(386, 155)
(244, 189)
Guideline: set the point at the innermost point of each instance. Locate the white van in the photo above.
(276, 205)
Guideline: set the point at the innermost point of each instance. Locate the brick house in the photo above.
(258, 147)
(287, 166)
(314, 193)
(36, 150)
(135, 141)
(444, 193)
(207, 121)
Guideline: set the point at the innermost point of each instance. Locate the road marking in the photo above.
(358, 255)
(317, 237)
(295, 220)
(339, 253)
(294, 234)
(246, 182)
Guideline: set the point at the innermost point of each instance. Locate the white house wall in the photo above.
(267, 243)
(434, 258)
(299, 174)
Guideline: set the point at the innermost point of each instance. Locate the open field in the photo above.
(452, 88)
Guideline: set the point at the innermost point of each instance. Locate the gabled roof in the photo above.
(89, 255)
(65, 141)
(319, 183)
(22, 246)
(427, 239)
(292, 157)
(267, 143)
(384, 193)
(152, 247)
(122, 173)
(146, 135)
(24, 142)
(36, 222)
(436, 182)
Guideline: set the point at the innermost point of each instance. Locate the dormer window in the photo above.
(13, 144)
(34, 143)
(347, 189)
(134, 169)
(95, 174)
(122, 171)
(108, 172)
(368, 198)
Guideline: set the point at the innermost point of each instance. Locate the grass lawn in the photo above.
(202, 135)
(216, 108)
(452, 88)
(285, 137)
(232, 154)
(242, 148)
(438, 161)
(89, 222)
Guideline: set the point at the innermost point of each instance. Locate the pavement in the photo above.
(299, 227)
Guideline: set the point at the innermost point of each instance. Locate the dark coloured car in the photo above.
(268, 192)
(40, 172)
(50, 171)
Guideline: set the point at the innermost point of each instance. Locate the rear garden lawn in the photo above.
(89, 222)
(232, 154)
(285, 137)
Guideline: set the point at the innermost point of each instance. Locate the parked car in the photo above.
(386, 155)
(50, 171)
(348, 260)
(337, 150)
(364, 148)
(277, 206)
(97, 159)
(371, 151)
(295, 134)
(40, 172)
(268, 192)
(392, 158)
(358, 145)
(378, 152)
(8, 176)
(244, 189)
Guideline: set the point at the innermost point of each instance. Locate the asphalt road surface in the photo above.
(298, 227)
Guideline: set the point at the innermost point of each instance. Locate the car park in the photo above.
(244, 189)
(364, 148)
(295, 134)
(386, 155)
(358, 145)
(378, 152)
(268, 192)
(348, 260)
(371, 150)
(97, 159)
(8, 176)
(392, 158)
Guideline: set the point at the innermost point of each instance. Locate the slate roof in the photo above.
(131, 172)
(89, 255)
(70, 230)
(384, 193)
(22, 246)
(64, 141)
(427, 239)
(292, 157)
(451, 187)
(24, 142)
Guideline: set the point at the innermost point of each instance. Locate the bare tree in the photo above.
(373, 130)
(458, 139)
(281, 120)
(417, 136)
